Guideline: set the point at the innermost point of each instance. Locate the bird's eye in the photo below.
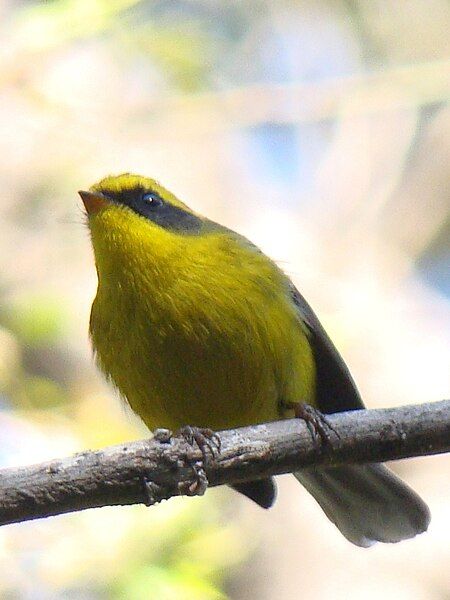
(152, 199)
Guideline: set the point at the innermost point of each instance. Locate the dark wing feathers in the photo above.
(336, 391)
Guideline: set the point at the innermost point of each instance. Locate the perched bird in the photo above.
(196, 326)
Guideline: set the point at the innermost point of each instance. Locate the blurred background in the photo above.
(321, 130)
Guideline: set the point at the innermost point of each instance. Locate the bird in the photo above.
(196, 326)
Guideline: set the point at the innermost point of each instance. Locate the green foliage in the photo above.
(186, 554)
(38, 319)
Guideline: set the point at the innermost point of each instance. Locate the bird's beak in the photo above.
(94, 201)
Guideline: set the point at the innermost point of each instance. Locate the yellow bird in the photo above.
(196, 326)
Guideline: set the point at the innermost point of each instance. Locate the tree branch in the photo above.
(149, 471)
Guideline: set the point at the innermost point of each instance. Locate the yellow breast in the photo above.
(196, 330)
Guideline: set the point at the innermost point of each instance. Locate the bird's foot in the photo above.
(199, 483)
(317, 423)
(207, 441)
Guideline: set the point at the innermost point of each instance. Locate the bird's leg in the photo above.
(317, 423)
(206, 440)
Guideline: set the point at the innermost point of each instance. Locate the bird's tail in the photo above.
(367, 503)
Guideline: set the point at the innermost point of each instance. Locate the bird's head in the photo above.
(132, 217)
(139, 199)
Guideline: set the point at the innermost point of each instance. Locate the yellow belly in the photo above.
(225, 367)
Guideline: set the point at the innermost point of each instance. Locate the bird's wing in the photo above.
(335, 389)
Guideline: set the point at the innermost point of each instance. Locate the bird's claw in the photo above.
(317, 423)
(199, 483)
(206, 440)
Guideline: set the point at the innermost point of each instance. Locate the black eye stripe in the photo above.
(150, 205)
